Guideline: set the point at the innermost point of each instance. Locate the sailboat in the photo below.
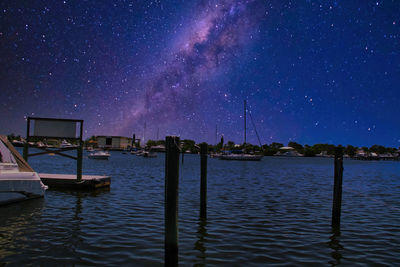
(241, 155)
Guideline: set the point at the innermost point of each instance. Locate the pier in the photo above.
(62, 129)
(70, 181)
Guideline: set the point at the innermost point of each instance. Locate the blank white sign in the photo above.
(50, 128)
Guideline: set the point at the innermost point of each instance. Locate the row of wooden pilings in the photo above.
(172, 185)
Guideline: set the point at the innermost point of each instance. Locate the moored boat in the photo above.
(18, 181)
(244, 157)
(18, 143)
(65, 144)
(99, 155)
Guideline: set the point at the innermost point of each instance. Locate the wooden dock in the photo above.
(69, 181)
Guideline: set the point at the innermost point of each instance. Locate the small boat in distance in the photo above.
(215, 155)
(145, 153)
(99, 155)
(65, 144)
(18, 143)
(241, 154)
(18, 181)
(40, 144)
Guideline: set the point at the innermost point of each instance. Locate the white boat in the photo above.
(287, 151)
(138, 153)
(18, 143)
(135, 152)
(145, 154)
(99, 155)
(65, 144)
(40, 144)
(245, 157)
(18, 181)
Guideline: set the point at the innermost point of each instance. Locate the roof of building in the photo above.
(286, 148)
(113, 136)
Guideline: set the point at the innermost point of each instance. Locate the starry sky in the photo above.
(311, 71)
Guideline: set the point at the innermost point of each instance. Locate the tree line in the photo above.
(271, 149)
(191, 146)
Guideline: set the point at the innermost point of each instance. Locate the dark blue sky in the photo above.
(311, 71)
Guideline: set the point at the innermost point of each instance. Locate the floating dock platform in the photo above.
(69, 181)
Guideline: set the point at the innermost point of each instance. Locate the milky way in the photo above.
(312, 71)
(201, 53)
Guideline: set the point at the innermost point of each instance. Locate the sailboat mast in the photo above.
(144, 132)
(245, 122)
(216, 133)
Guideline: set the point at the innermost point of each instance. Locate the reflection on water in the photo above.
(75, 238)
(82, 192)
(15, 221)
(273, 212)
(336, 247)
(200, 243)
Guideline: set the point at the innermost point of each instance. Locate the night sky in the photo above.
(311, 71)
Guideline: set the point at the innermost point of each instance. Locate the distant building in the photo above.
(324, 154)
(288, 151)
(114, 142)
(361, 153)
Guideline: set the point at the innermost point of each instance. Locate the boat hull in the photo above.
(241, 157)
(20, 186)
(98, 157)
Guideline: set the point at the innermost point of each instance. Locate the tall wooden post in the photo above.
(203, 180)
(245, 125)
(79, 156)
(79, 163)
(171, 200)
(26, 145)
(337, 188)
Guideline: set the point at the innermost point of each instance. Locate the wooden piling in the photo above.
(133, 143)
(79, 156)
(79, 163)
(171, 200)
(337, 188)
(26, 145)
(203, 180)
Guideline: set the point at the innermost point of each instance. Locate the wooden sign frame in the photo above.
(58, 151)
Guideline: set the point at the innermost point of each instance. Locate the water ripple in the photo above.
(274, 212)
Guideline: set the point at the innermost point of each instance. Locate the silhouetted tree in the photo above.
(350, 150)
(299, 148)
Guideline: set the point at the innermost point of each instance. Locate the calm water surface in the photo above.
(274, 212)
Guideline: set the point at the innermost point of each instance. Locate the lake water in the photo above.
(276, 212)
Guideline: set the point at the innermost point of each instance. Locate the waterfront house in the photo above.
(360, 153)
(288, 151)
(114, 142)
